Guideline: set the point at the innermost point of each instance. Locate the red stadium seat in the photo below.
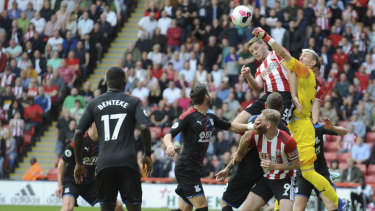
(343, 123)
(343, 157)
(166, 130)
(330, 156)
(362, 167)
(327, 138)
(371, 169)
(343, 166)
(331, 146)
(157, 129)
(331, 138)
(370, 145)
(370, 137)
(52, 174)
(27, 139)
(370, 179)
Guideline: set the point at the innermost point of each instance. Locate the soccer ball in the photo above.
(241, 16)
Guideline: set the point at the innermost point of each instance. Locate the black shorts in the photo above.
(88, 192)
(281, 189)
(241, 182)
(257, 107)
(304, 187)
(188, 183)
(124, 179)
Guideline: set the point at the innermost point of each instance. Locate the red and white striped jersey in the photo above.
(274, 76)
(17, 91)
(322, 21)
(6, 80)
(281, 149)
(319, 95)
(17, 129)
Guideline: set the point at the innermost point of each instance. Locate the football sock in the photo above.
(176, 210)
(107, 207)
(227, 208)
(202, 209)
(320, 183)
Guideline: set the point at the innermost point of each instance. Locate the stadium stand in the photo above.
(165, 47)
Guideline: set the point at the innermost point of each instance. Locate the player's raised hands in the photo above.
(267, 164)
(221, 175)
(327, 124)
(79, 173)
(260, 33)
(171, 150)
(147, 165)
(245, 71)
(58, 191)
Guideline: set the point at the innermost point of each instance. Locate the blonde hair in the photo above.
(272, 115)
(254, 40)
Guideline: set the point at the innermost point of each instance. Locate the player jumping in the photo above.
(300, 125)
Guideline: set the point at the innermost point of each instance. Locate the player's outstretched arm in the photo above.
(341, 131)
(255, 83)
(315, 111)
(282, 52)
(292, 78)
(146, 140)
(170, 148)
(240, 128)
(79, 169)
(60, 176)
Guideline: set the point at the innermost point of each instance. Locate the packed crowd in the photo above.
(47, 50)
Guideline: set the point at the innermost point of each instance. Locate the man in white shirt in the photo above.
(85, 25)
(217, 75)
(193, 61)
(147, 25)
(278, 32)
(55, 40)
(141, 91)
(140, 73)
(164, 22)
(171, 93)
(189, 75)
(37, 4)
(22, 4)
(110, 16)
(38, 22)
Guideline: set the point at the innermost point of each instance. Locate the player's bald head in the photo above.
(275, 101)
(115, 78)
(197, 94)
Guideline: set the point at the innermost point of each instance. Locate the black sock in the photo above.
(107, 207)
(202, 209)
(227, 208)
(176, 210)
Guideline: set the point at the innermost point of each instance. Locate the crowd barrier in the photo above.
(155, 193)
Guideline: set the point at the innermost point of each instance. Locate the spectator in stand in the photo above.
(361, 152)
(110, 16)
(143, 44)
(38, 22)
(46, 12)
(32, 90)
(69, 43)
(3, 59)
(342, 85)
(15, 11)
(39, 62)
(211, 54)
(362, 195)
(159, 117)
(24, 61)
(335, 37)
(77, 111)
(83, 55)
(16, 32)
(141, 91)
(147, 25)
(293, 39)
(347, 141)
(85, 25)
(356, 58)
(71, 24)
(160, 39)
(55, 61)
(233, 104)
(53, 92)
(86, 91)
(59, 83)
(69, 100)
(13, 51)
(44, 101)
(67, 73)
(61, 14)
(369, 64)
(17, 89)
(35, 172)
(171, 93)
(156, 70)
(334, 169)
(51, 27)
(207, 170)
(177, 62)
(224, 161)
(6, 77)
(2, 156)
(11, 150)
(188, 74)
(156, 56)
(16, 126)
(175, 110)
(352, 173)
(55, 40)
(359, 126)
(33, 113)
(340, 57)
(30, 71)
(61, 127)
(164, 23)
(228, 114)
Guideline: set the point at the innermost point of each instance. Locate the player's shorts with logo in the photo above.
(88, 192)
(304, 188)
(124, 179)
(188, 183)
(257, 107)
(241, 182)
(281, 189)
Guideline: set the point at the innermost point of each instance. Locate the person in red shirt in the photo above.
(156, 70)
(340, 57)
(174, 35)
(363, 77)
(67, 73)
(33, 113)
(73, 62)
(334, 36)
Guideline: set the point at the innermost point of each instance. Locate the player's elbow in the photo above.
(143, 128)
(297, 163)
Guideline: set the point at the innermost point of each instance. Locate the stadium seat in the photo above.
(330, 138)
(371, 169)
(362, 167)
(331, 146)
(370, 137)
(52, 174)
(370, 179)
(343, 166)
(330, 156)
(370, 145)
(166, 130)
(343, 123)
(27, 139)
(157, 129)
(343, 156)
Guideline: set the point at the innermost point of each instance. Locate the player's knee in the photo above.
(202, 209)
(202, 203)
(223, 203)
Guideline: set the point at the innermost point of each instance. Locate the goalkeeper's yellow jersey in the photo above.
(306, 87)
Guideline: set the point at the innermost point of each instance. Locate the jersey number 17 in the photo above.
(107, 131)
